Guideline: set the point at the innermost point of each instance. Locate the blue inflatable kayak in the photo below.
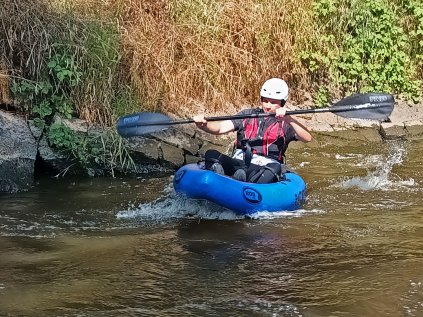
(241, 197)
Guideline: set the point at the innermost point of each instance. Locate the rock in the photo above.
(414, 129)
(391, 131)
(179, 137)
(52, 158)
(176, 146)
(55, 161)
(36, 131)
(147, 150)
(18, 152)
(404, 112)
(76, 125)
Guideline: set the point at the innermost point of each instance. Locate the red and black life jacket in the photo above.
(263, 136)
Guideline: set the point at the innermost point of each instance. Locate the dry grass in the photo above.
(213, 53)
(4, 84)
(28, 29)
(181, 56)
(24, 37)
(32, 31)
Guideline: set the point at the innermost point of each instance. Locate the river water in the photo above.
(131, 247)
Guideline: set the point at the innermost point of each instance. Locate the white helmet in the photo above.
(275, 88)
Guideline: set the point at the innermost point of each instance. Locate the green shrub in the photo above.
(363, 46)
(50, 97)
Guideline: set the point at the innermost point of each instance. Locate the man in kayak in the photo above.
(261, 142)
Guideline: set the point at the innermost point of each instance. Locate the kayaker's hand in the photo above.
(199, 120)
(280, 113)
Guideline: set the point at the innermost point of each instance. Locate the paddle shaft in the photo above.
(368, 106)
(260, 115)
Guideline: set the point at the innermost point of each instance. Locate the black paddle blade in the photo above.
(370, 106)
(138, 124)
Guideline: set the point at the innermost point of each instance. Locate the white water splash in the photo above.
(347, 157)
(172, 206)
(168, 208)
(175, 206)
(382, 178)
(268, 215)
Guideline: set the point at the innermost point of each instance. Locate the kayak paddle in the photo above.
(370, 106)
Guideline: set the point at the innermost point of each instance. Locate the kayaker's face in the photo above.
(270, 105)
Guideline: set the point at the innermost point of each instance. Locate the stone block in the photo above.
(414, 129)
(391, 131)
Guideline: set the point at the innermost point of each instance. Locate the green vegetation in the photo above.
(51, 102)
(366, 46)
(72, 70)
(102, 149)
(50, 96)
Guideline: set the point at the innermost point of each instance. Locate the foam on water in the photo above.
(413, 300)
(266, 215)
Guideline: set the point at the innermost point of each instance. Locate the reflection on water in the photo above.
(131, 247)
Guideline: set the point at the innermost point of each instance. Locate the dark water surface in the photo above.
(131, 247)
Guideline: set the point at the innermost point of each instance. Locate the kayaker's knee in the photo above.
(266, 174)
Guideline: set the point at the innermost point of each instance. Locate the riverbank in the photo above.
(22, 150)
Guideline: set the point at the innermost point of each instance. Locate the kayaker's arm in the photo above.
(213, 127)
(302, 133)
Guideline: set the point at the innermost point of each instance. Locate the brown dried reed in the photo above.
(211, 55)
(25, 34)
(28, 29)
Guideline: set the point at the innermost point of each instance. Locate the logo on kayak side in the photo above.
(251, 195)
(178, 176)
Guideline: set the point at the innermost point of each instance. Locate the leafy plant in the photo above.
(374, 51)
(64, 68)
(89, 150)
(321, 97)
(63, 106)
(63, 137)
(28, 91)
